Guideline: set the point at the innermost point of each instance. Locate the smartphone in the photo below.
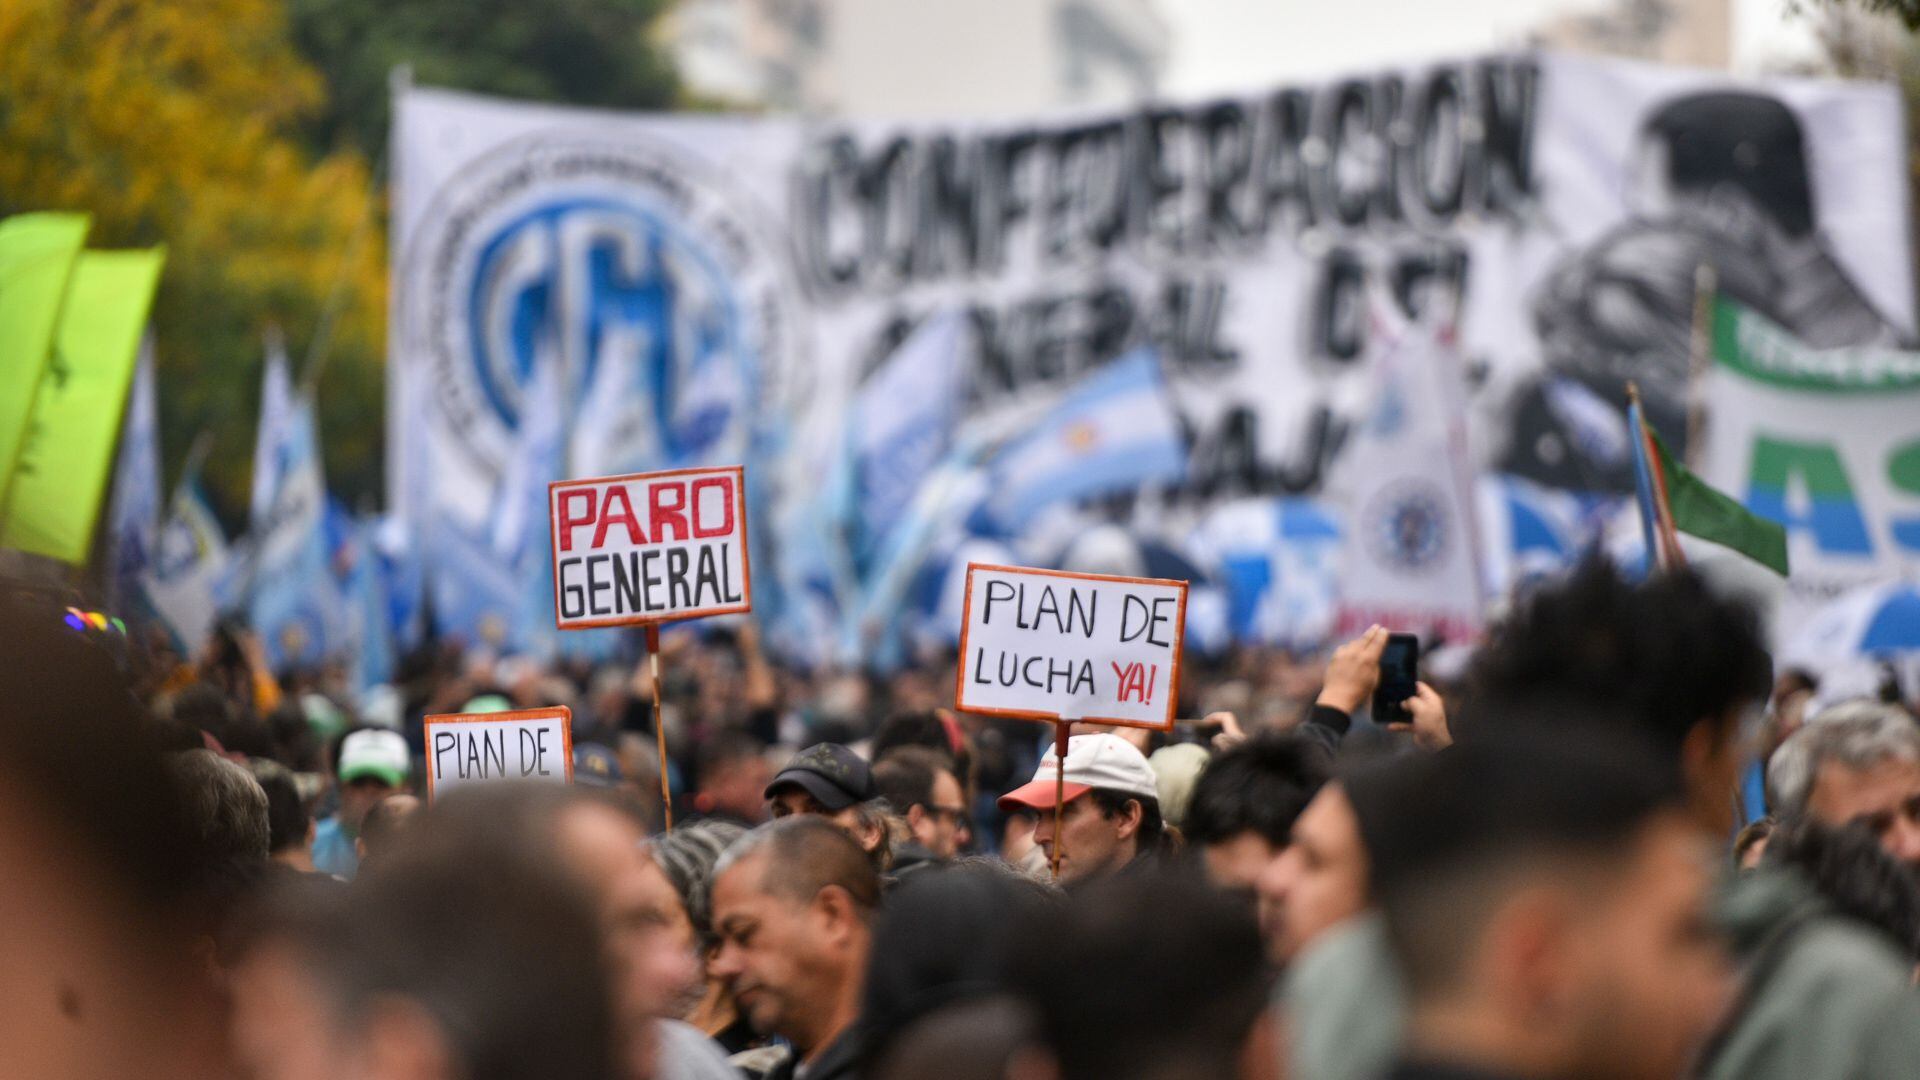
(1399, 672)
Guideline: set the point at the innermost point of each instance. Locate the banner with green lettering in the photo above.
(53, 498)
(36, 259)
(1824, 441)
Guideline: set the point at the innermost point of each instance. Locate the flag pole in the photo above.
(1062, 732)
(1656, 515)
(196, 456)
(1643, 478)
(659, 729)
(1663, 506)
(1699, 358)
(1466, 476)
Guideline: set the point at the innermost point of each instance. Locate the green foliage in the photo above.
(238, 133)
(581, 52)
(173, 122)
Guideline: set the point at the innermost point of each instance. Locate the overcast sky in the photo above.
(1226, 45)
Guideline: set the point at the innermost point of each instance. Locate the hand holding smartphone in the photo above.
(1399, 679)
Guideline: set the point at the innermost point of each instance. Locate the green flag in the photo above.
(36, 258)
(1702, 511)
(54, 495)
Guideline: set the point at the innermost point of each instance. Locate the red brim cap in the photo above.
(1038, 795)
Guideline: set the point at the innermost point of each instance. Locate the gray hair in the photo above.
(1853, 734)
(226, 805)
(806, 853)
(687, 856)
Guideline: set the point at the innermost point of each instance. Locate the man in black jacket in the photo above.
(793, 904)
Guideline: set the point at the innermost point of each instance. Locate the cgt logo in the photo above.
(633, 311)
(616, 259)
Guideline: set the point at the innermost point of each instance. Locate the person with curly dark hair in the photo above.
(1245, 803)
(1680, 667)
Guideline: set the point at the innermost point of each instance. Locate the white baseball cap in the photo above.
(1101, 761)
(374, 752)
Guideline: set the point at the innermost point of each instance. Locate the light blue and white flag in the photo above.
(133, 513)
(369, 611)
(1597, 428)
(1412, 559)
(475, 594)
(1115, 432)
(522, 538)
(539, 454)
(613, 431)
(397, 549)
(900, 426)
(1529, 531)
(1277, 562)
(294, 600)
(276, 412)
(190, 561)
(936, 520)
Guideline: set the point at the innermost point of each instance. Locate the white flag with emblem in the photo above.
(1412, 550)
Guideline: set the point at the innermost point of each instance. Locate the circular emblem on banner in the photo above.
(1406, 526)
(628, 264)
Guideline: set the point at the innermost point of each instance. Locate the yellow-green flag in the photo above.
(53, 498)
(36, 259)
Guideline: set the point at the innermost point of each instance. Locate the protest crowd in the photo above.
(1533, 873)
(1405, 576)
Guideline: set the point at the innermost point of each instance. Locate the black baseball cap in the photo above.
(835, 776)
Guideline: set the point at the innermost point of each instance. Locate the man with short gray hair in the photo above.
(1857, 763)
(793, 903)
(227, 806)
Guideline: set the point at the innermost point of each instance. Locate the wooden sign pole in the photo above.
(659, 728)
(698, 517)
(1061, 733)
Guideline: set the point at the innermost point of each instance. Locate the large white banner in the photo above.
(728, 289)
(1826, 442)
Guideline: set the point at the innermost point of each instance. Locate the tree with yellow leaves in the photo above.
(176, 122)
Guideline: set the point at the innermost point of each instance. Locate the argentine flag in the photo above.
(1116, 431)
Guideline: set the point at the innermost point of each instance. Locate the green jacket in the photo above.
(1344, 1008)
(1822, 997)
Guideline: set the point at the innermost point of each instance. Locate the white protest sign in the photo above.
(475, 748)
(649, 547)
(1052, 645)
